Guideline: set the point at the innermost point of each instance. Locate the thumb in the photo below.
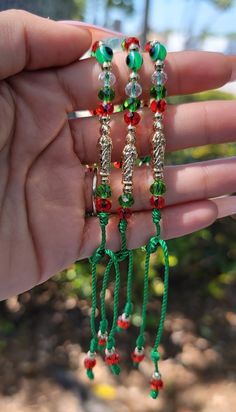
(31, 42)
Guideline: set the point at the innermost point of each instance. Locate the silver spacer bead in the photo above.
(131, 128)
(134, 76)
(91, 355)
(133, 46)
(159, 65)
(106, 65)
(109, 352)
(158, 125)
(156, 375)
(158, 116)
(138, 351)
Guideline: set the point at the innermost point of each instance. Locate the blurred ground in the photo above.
(41, 363)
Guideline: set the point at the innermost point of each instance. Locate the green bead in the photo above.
(126, 200)
(158, 52)
(158, 187)
(103, 191)
(158, 92)
(154, 394)
(104, 54)
(132, 104)
(106, 94)
(134, 60)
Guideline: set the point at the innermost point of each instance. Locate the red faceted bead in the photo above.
(105, 108)
(93, 112)
(118, 165)
(158, 106)
(148, 46)
(95, 46)
(132, 118)
(157, 202)
(137, 358)
(102, 341)
(103, 205)
(129, 41)
(112, 359)
(124, 213)
(122, 323)
(156, 384)
(89, 363)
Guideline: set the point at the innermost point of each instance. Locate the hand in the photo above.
(44, 189)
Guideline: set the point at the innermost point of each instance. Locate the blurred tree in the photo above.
(55, 9)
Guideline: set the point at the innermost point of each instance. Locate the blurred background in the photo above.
(44, 333)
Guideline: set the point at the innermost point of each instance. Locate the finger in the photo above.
(97, 32)
(176, 221)
(226, 205)
(185, 75)
(186, 125)
(185, 183)
(32, 42)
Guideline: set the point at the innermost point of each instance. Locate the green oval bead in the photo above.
(104, 54)
(134, 60)
(158, 52)
(132, 104)
(126, 200)
(106, 94)
(158, 187)
(158, 92)
(103, 191)
(154, 394)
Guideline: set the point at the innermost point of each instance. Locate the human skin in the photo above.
(44, 190)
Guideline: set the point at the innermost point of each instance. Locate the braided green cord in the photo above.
(151, 247)
(165, 294)
(104, 287)
(111, 340)
(129, 305)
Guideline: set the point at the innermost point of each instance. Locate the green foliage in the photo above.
(222, 4)
(126, 5)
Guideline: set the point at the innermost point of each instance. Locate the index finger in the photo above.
(188, 72)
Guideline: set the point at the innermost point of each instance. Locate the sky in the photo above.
(178, 15)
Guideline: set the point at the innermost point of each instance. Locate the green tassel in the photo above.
(115, 369)
(154, 394)
(90, 374)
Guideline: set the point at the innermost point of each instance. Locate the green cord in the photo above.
(151, 247)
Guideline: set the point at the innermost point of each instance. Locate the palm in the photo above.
(44, 192)
(43, 201)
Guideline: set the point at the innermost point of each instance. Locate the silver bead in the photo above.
(158, 125)
(133, 46)
(134, 76)
(156, 375)
(106, 65)
(159, 65)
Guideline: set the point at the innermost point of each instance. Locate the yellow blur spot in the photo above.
(173, 260)
(158, 287)
(104, 391)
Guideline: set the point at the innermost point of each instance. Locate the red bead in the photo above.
(158, 106)
(148, 46)
(112, 359)
(137, 358)
(89, 363)
(95, 46)
(118, 165)
(102, 341)
(156, 384)
(157, 202)
(129, 41)
(93, 112)
(105, 108)
(122, 323)
(103, 205)
(124, 213)
(132, 118)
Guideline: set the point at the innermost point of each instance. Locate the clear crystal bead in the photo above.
(133, 89)
(108, 78)
(159, 78)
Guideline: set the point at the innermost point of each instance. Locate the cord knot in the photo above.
(152, 244)
(156, 216)
(155, 356)
(103, 217)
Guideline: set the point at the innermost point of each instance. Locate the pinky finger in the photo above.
(176, 221)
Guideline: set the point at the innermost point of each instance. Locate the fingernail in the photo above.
(233, 64)
(96, 31)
